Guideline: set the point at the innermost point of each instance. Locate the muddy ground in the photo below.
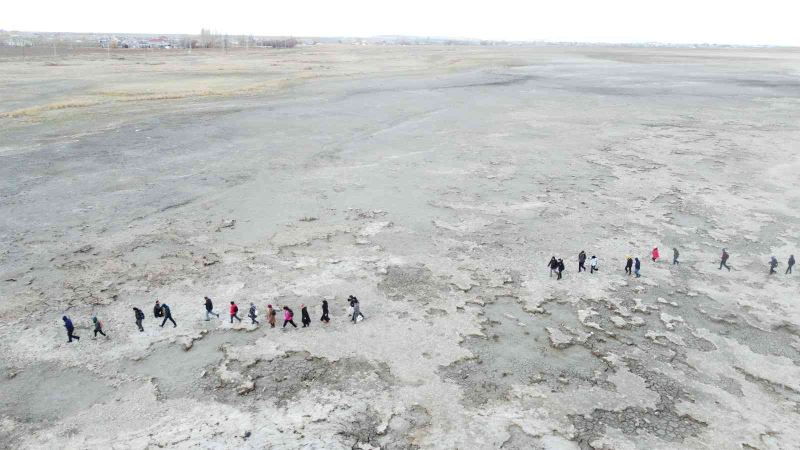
(434, 183)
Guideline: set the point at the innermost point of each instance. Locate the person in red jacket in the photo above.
(234, 311)
(655, 254)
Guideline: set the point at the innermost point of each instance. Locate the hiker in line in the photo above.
(139, 315)
(581, 261)
(724, 260)
(637, 266)
(560, 268)
(98, 327)
(70, 329)
(304, 317)
(210, 309)
(252, 314)
(789, 263)
(356, 309)
(325, 317)
(628, 265)
(675, 255)
(157, 310)
(593, 264)
(773, 263)
(234, 311)
(167, 315)
(553, 265)
(271, 314)
(288, 317)
(655, 254)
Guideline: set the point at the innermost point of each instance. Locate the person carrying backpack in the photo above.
(139, 316)
(98, 327)
(675, 255)
(561, 268)
(234, 310)
(252, 314)
(70, 329)
(210, 309)
(773, 263)
(288, 317)
(637, 266)
(581, 261)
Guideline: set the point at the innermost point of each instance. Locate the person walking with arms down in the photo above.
(252, 314)
(581, 261)
(288, 317)
(593, 262)
(234, 310)
(325, 318)
(675, 255)
(553, 265)
(561, 268)
(789, 263)
(98, 327)
(304, 317)
(210, 309)
(157, 310)
(70, 329)
(354, 303)
(628, 265)
(723, 262)
(167, 315)
(637, 266)
(655, 254)
(139, 316)
(271, 314)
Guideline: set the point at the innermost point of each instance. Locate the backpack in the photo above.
(235, 309)
(139, 314)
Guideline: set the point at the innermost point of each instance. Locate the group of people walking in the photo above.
(633, 265)
(162, 311)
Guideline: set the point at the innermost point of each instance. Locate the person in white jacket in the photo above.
(593, 264)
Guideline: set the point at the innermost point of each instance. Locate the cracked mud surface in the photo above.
(434, 183)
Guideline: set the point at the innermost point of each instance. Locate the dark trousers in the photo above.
(253, 320)
(724, 264)
(581, 266)
(139, 324)
(169, 317)
(675, 261)
(289, 321)
(71, 336)
(628, 270)
(234, 316)
(592, 269)
(559, 275)
(98, 330)
(788, 270)
(325, 317)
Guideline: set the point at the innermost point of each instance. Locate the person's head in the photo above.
(206, 298)
(94, 319)
(285, 307)
(252, 304)
(302, 305)
(156, 302)
(231, 302)
(269, 306)
(593, 257)
(64, 318)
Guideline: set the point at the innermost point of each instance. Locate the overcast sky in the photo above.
(774, 22)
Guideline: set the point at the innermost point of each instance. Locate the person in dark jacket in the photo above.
(210, 309)
(252, 314)
(304, 317)
(773, 263)
(637, 266)
(234, 311)
(628, 265)
(581, 261)
(560, 268)
(157, 310)
(70, 329)
(675, 255)
(553, 265)
(325, 318)
(789, 263)
(723, 262)
(167, 315)
(98, 326)
(139, 315)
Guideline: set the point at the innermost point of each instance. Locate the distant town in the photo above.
(213, 39)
